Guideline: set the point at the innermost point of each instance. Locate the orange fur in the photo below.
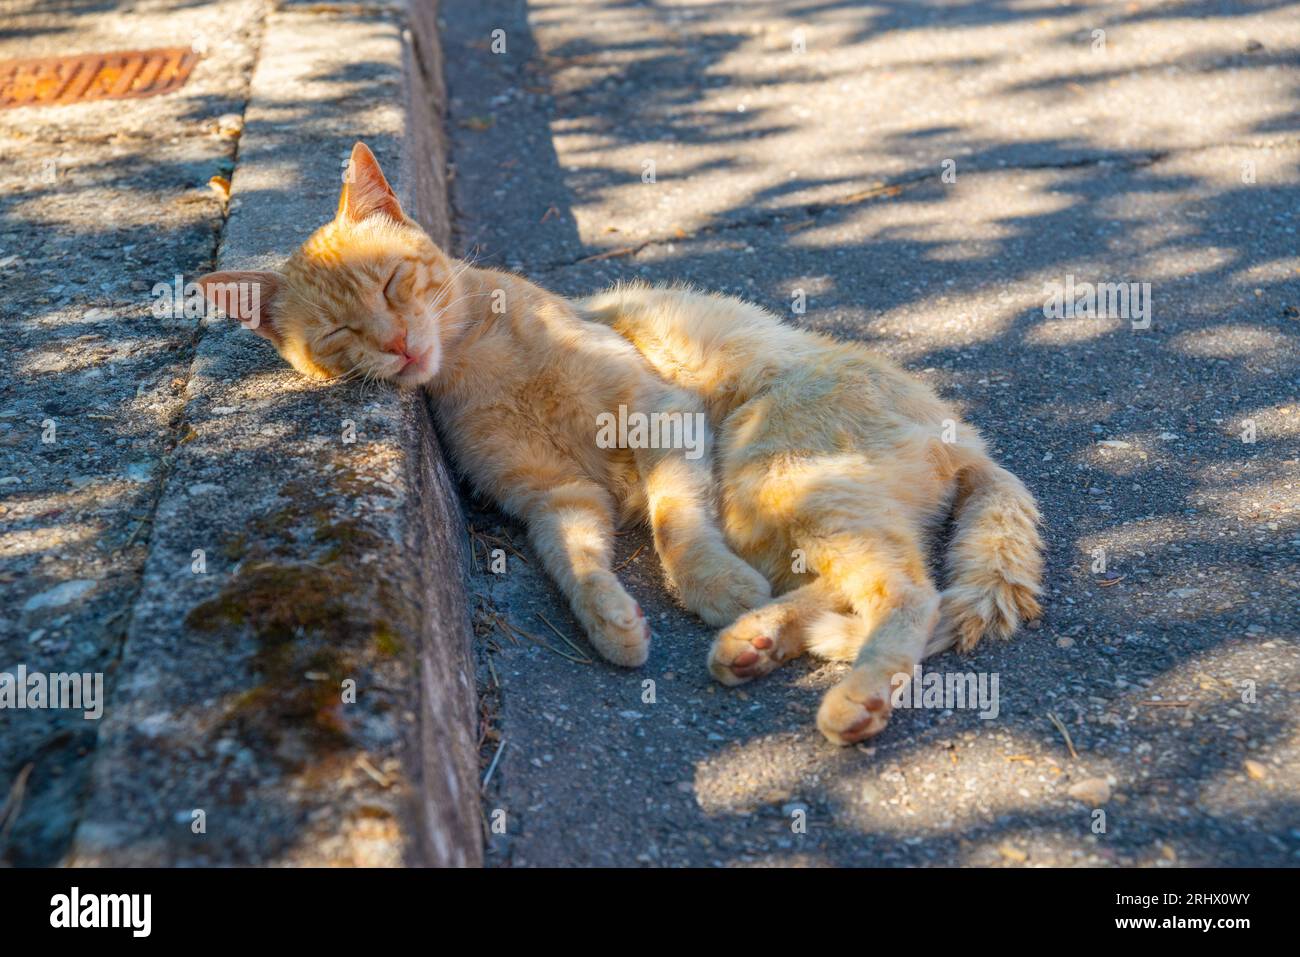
(834, 465)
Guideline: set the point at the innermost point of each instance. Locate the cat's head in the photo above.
(366, 296)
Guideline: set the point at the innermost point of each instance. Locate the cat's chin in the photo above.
(412, 377)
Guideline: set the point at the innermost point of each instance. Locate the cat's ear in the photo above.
(248, 297)
(365, 191)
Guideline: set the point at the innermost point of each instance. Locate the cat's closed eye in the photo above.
(330, 335)
(392, 291)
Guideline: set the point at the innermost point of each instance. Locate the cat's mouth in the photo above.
(416, 367)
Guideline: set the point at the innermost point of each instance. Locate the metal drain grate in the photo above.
(53, 81)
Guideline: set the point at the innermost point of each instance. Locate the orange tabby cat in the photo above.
(834, 466)
(833, 463)
(518, 381)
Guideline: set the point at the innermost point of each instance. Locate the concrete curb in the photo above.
(288, 563)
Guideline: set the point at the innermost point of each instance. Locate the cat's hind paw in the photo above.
(754, 645)
(857, 708)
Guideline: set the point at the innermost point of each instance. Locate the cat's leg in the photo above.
(859, 706)
(761, 640)
(707, 575)
(879, 569)
(571, 527)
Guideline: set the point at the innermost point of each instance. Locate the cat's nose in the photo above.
(397, 345)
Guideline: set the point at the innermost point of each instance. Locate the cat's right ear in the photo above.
(365, 190)
(248, 297)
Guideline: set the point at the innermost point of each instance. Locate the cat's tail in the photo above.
(995, 559)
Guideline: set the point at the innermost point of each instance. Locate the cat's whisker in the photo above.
(442, 311)
(461, 298)
(459, 270)
(349, 375)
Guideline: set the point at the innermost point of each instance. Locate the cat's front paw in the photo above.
(858, 707)
(720, 588)
(614, 622)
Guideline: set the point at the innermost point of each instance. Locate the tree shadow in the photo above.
(949, 278)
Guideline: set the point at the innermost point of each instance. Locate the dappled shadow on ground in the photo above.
(1132, 438)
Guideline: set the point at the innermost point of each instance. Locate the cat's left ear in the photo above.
(248, 296)
(365, 191)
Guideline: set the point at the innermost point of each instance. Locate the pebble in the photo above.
(1091, 791)
(1255, 770)
(1013, 853)
(60, 594)
(230, 124)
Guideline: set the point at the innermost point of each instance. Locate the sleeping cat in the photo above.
(517, 380)
(833, 464)
(834, 467)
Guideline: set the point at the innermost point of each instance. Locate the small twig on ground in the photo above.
(615, 253)
(493, 766)
(535, 640)
(630, 559)
(14, 803)
(473, 552)
(503, 542)
(505, 628)
(139, 528)
(1064, 733)
(880, 189)
(376, 775)
(577, 659)
(563, 637)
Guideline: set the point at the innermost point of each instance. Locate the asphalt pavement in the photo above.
(926, 175)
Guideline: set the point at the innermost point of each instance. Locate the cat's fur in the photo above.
(833, 463)
(517, 393)
(834, 466)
